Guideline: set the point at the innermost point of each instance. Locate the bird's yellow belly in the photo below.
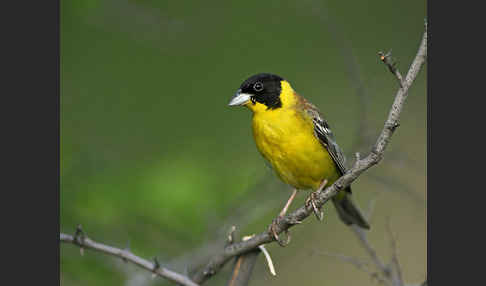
(293, 151)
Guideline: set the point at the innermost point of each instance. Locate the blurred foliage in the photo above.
(153, 159)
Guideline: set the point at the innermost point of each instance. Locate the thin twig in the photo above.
(397, 277)
(155, 268)
(363, 138)
(360, 264)
(361, 235)
(231, 235)
(371, 208)
(375, 156)
(392, 65)
(391, 184)
(385, 274)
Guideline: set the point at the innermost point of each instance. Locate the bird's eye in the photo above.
(252, 100)
(258, 86)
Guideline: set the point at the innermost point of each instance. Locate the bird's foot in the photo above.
(311, 201)
(273, 231)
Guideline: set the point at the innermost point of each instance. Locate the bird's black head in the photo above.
(263, 88)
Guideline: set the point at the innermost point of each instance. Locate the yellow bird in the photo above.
(292, 135)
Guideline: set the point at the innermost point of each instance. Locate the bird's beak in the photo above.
(239, 99)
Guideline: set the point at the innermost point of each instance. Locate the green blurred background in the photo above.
(154, 160)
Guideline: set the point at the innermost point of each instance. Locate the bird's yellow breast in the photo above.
(285, 137)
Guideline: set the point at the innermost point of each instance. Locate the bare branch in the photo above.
(244, 248)
(218, 260)
(79, 239)
(244, 263)
(391, 276)
(387, 275)
(243, 268)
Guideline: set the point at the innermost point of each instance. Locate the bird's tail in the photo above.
(348, 212)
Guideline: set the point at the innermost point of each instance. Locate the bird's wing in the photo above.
(323, 132)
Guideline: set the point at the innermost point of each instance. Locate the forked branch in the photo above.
(375, 156)
(82, 241)
(251, 245)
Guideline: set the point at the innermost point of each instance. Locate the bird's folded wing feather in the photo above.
(323, 132)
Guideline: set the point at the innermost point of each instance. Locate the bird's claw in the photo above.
(272, 230)
(311, 201)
